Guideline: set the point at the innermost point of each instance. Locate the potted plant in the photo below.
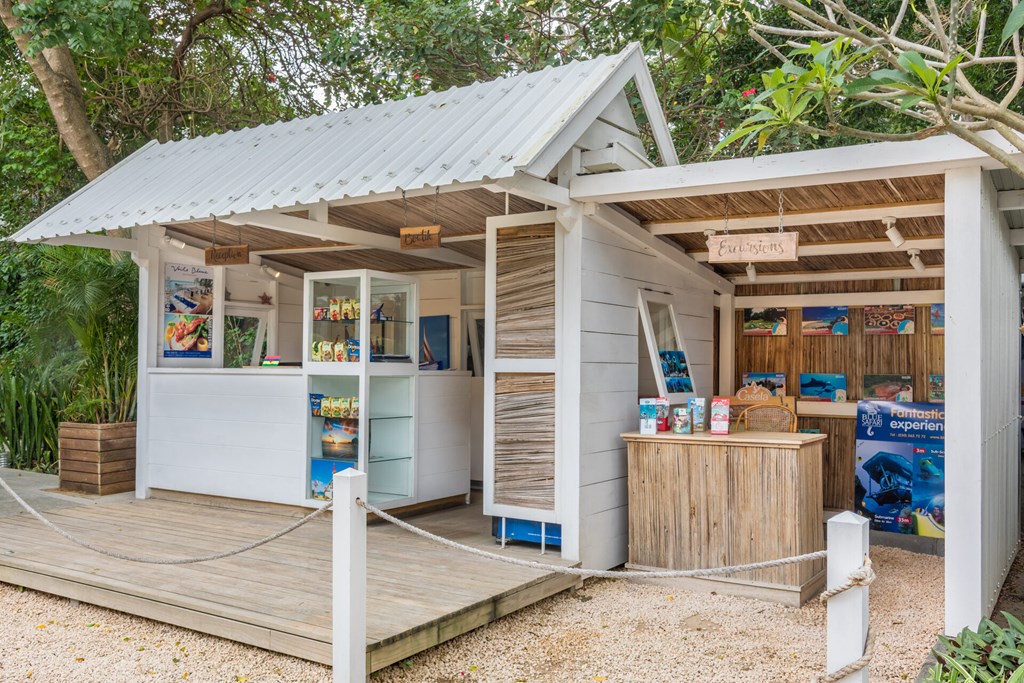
(96, 293)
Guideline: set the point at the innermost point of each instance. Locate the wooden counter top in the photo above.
(770, 439)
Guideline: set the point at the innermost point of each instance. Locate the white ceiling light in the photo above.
(271, 272)
(915, 260)
(751, 273)
(892, 232)
(174, 242)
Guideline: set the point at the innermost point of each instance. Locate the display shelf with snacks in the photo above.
(359, 340)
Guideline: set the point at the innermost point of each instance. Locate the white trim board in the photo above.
(840, 275)
(854, 300)
(864, 247)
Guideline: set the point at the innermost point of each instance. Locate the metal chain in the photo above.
(780, 210)
(588, 573)
(437, 193)
(725, 221)
(160, 560)
(214, 243)
(405, 211)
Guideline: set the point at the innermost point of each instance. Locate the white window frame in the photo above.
(242, 309)
(470, 318)
(645, 298)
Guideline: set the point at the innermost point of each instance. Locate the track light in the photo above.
(751, 273)
(271, 272)
(892, 232)
(174, 242)
(915, 260)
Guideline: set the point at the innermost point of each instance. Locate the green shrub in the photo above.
(992, 654)
(30, 403)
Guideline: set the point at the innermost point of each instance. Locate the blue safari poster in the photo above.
(900, 478)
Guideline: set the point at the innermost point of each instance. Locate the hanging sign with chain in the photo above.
(226, 255)
(751, 247)
(423, 236)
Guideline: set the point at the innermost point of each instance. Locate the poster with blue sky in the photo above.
(826, 321)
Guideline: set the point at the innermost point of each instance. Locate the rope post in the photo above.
(349, 577)
(847, 612)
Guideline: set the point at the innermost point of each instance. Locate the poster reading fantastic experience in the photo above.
(900, 478)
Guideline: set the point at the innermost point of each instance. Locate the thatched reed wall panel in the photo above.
(525, 293)
(524, 440)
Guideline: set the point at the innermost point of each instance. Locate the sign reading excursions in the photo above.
(773, 246)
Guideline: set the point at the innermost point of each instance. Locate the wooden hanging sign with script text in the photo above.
(231, 255)
(423, 237)
(752, 247)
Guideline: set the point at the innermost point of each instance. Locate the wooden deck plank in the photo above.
(278, 596)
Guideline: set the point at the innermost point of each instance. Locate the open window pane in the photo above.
(664, 349)
(245, 340)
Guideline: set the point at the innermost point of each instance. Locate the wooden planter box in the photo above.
(97, 458)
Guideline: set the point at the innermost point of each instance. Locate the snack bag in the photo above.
(335, 309)
(320, 313)
(345, 407)
(355, 309)
(326, 351)
(346, 309)
(339, 351)
(354, 407)
(316, 404)
(314, 354)
(335, 406)
(353, 350)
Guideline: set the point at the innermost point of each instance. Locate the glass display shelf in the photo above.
(390, 458)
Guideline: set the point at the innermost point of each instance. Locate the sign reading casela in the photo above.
(743, 248)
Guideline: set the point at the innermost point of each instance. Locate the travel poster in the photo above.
(889, 319)
(900, 474)
(764, 322)
(936, 388)
(826, 320)
(676, 372)
(774, 382)
(937, 318)
(340, 438)
(321, 476)
(819, 386)
(888, 388)
(188, 308)
(435, 349)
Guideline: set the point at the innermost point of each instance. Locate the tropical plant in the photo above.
(991, 654)
(935, 65)
(30, 401)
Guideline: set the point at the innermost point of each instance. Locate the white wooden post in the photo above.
(349, 571)
(847, 616)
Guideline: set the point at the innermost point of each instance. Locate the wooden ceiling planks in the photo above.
(847, 287)
(892, 259)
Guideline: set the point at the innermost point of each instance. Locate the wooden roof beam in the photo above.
(839, 275)
(857, 247)
(851, 214)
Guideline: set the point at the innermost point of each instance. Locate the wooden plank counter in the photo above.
(702, 500)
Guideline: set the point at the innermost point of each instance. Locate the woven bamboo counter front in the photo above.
(703, 500)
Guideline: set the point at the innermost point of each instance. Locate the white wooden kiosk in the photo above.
(542, 183)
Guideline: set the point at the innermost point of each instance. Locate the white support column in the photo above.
(847, 617)
(965, 333)
(349, 577)
(147, 258)
(726, 344)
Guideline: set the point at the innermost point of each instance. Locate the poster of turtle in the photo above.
(889, 319)
(900, 473)
(937, 318)
(188, 308)
(899, 388)
(764, 322)
(826, 321)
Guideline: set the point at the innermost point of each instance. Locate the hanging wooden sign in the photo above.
(746, 247)
(422, 237)
(230, 255)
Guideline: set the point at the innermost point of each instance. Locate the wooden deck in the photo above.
(277, 597)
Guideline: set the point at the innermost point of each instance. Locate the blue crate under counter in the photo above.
(527, 531)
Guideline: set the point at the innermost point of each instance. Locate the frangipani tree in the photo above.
(954, 67)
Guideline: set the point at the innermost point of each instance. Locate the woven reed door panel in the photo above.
(525, 292)
(524, 440)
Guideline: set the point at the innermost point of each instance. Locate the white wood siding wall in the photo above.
(228, 433)
(443, 434)
(982, 398)
(613, 272)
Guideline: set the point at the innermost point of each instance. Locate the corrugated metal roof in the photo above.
(481, 131)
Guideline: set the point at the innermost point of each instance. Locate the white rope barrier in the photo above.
(159, 560)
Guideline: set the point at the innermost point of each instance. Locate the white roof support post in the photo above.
(726, 344)
(630, 229)
(982, 398)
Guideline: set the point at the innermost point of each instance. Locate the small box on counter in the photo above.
(663, 414)
(682, 423)
(720, 415)
(648, 416)
(697, 410)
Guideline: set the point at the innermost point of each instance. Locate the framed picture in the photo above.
(898, 388)
(936, 388)
(937, 319)
(665, 346)
(773, 382)
(764, 322)
(889, 319)
(826, 321)
(816, 386)
(435, 346)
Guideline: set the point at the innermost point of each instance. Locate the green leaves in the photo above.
(992, 654)
(1014, 22)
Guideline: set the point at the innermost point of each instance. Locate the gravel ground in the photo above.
(608, 631)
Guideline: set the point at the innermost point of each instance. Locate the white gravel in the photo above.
(608, 631)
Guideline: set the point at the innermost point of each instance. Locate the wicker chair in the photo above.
(768, 418)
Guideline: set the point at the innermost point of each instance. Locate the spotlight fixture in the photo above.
(174, 242)
(892, 232)
(751, 273)
(271, 272)
(915, 260)
(710, 232)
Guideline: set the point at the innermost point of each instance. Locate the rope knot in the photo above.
(858, 578)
